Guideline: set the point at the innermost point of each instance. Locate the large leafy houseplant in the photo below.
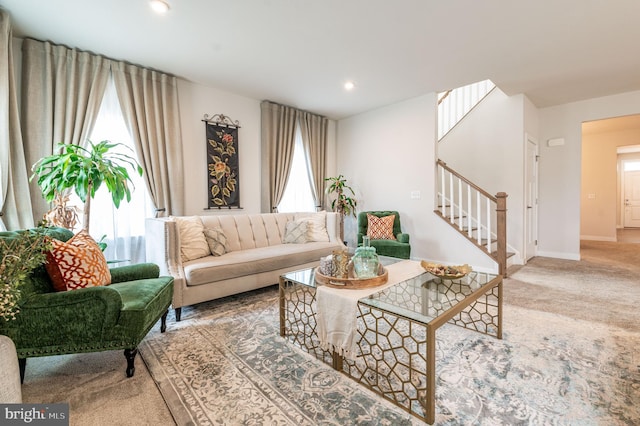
(84, 170)
(342, 203)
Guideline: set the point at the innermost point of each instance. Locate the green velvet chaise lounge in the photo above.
(93, 319)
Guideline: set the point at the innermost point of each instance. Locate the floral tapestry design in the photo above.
(222, 162)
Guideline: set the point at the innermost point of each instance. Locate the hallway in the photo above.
(628, 235)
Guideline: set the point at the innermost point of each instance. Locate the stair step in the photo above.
(509, 254)
(483, 241)
(440, 208)
(455, 218)
(466, 229)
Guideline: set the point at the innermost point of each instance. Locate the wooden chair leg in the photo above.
(130, 355)
(22, 364)
(163, 322)
(178, 313)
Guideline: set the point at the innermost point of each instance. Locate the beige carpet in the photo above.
(603, 289)
(97, 390)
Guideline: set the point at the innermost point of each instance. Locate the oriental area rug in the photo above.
(570, 355)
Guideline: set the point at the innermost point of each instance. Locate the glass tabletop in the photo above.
(425, 297)
(303, 276)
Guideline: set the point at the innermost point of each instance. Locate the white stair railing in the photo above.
(476, 214)
(454, 104)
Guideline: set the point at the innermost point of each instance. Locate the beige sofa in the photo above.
(10, 388)
(251, 251)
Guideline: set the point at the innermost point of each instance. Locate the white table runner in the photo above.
(337, 309)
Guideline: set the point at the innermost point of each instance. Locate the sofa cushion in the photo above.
(216, 240)
(296, 232)
(380, 228)
(77, 263)
(193, 243)
(254, 261)
(142, 300)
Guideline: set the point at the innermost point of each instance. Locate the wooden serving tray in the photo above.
(353, 283)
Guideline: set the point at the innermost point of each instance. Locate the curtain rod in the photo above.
(221, 120)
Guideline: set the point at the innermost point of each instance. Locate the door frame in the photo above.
(526, 254)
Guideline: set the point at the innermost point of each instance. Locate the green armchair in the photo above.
(399, 247)
(117, 316)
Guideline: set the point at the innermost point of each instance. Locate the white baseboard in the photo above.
(598, 238)
(558, 255)
(516, 259)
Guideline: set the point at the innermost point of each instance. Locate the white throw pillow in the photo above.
(317, 225)
(193, 244)
(217, 241)
(296, 232)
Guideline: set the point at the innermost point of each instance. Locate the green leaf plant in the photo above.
(84, 170)
(18, 257)
(342, 203)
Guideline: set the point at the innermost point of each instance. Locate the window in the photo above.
(123, 228)
(298, 196)
(631, 166)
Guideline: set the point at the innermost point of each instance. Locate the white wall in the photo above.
(531, 119)
(197, 100)
(560, 169)
(487, 147)
(387, 153)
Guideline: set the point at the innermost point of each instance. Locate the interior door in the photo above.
(531, 200)
(632, 199)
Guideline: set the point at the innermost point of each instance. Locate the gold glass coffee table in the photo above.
(396, 330)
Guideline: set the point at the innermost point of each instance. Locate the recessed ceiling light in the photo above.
(159, 6)
(349, 85)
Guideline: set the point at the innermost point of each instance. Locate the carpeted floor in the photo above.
(570, 356)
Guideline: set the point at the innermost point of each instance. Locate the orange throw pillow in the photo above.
(77, 263)
(380, 228)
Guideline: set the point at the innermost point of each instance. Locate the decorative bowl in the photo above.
(446, 271)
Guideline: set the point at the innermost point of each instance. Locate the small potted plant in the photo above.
(342, 203)
(84, 170)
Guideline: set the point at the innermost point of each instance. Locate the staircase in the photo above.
(470, 210)
(455, 104)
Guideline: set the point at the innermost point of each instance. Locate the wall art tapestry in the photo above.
(222, 162)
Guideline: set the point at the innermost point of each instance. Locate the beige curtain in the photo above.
(314, 139)
(15, 204)
(62, 89)
(149, 100)
(278, 141)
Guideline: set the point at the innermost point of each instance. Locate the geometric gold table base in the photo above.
(396, 356)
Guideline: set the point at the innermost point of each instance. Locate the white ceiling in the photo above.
(616, 124)
(300, 52)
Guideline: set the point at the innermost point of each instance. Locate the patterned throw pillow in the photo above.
(380, 228)
(217, 241)
(296, 232)
(77, 263)
(317, 227)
